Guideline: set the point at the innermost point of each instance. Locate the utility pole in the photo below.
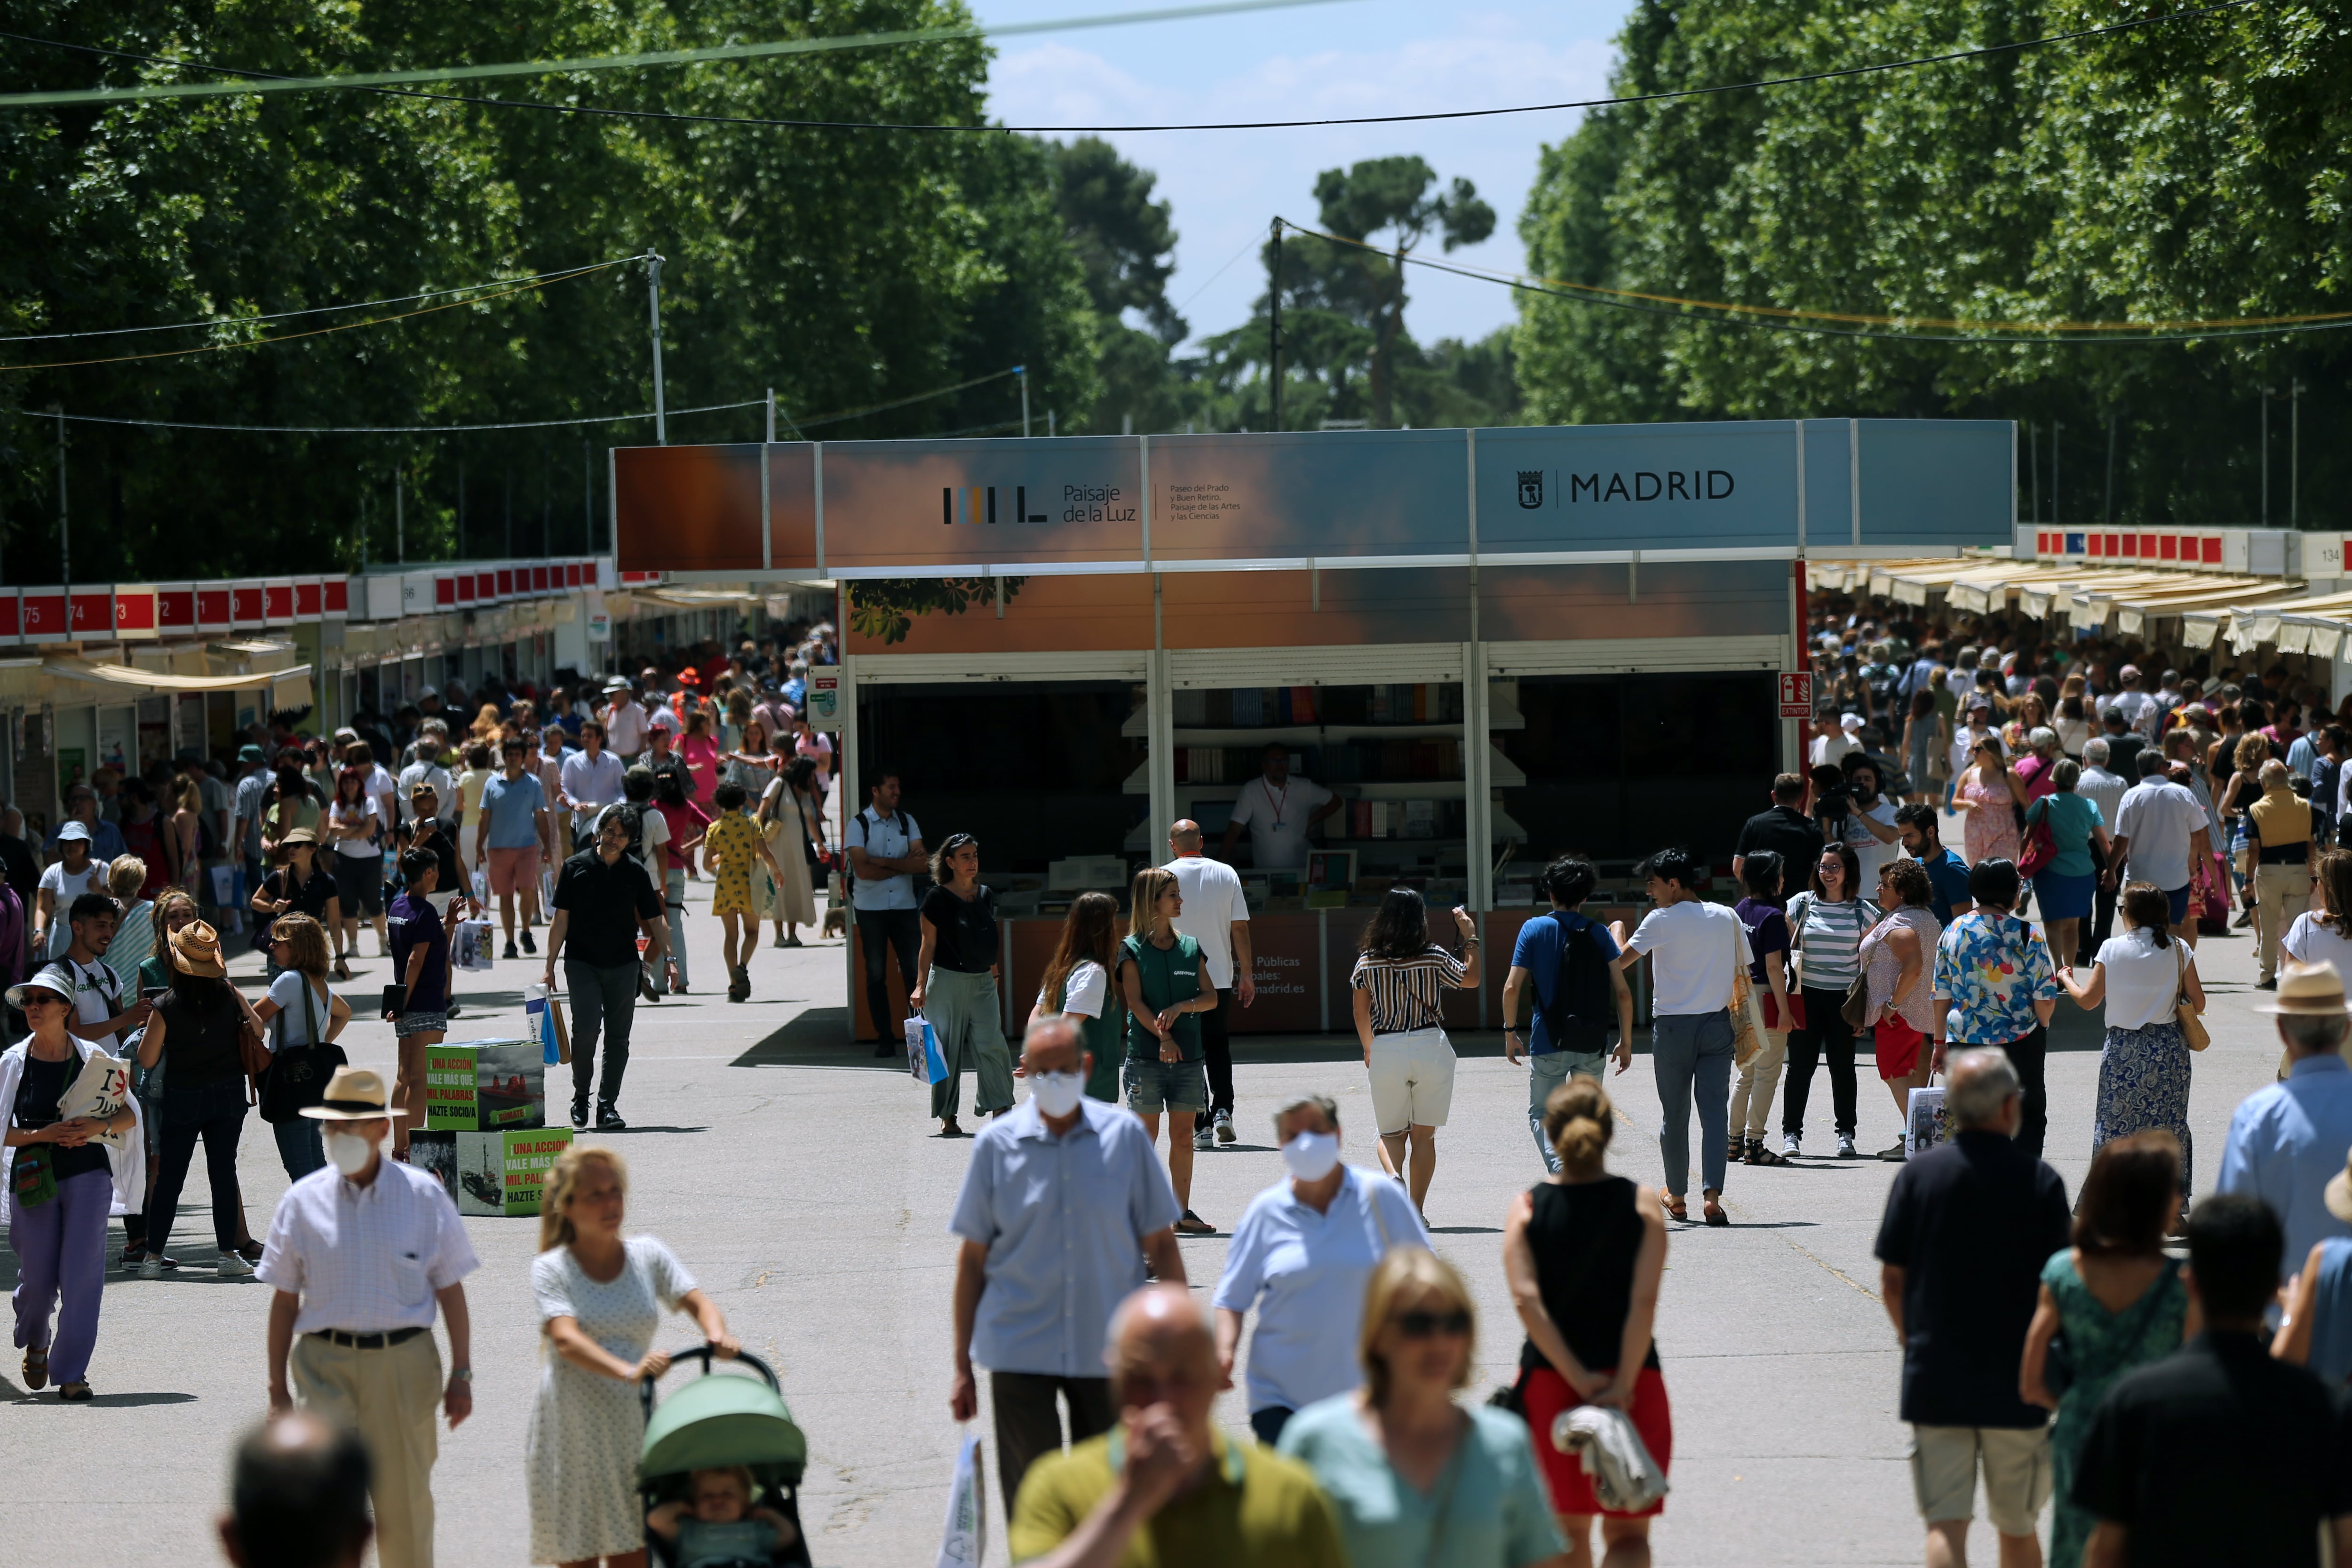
(65, 545)
(2034, 466)
(399, 517)
(587, 495)
(2294, 453)
(653, 294)
(509, 509)
(2266, 456)
(1273, 331)
(2056, 510)
(461, 508)
(1023, 372)
(546, 502)
(2107, 506)
(772, 417)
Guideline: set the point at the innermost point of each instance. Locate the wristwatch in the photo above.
(461, 1375)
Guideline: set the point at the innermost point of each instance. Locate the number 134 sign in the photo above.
(1795, 694)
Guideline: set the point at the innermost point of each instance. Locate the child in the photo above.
(719, 1525)
(730, 846)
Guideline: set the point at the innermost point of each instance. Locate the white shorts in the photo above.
(1412, 1079)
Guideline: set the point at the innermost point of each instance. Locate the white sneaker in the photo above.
(151, 1267)
(1204, 1137)
(1846, 1150)
(1791, 1146)
(1226, 1133)
(231, 1266)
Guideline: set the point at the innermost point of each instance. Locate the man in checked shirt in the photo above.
(363, 1252)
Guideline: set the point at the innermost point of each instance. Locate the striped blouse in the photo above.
(1829, 937)
(1407, 993)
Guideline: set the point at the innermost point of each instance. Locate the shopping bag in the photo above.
(228, 893)
(481, 884)
(1924, 1123)
(97, 1091)
(925, 1061)
(964, 1539)
(545, 1015)
(472, 948)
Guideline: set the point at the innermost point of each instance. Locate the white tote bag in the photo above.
(963, 1541)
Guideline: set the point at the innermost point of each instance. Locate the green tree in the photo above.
(1390, 201)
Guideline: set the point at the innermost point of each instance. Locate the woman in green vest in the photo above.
(1165, 981)
(1078, 983)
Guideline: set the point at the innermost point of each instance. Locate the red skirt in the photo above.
(1547, 1394)
(1898, 1047)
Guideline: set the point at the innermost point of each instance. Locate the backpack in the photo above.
(1583, 1000)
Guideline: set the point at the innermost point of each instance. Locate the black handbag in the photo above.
(297, 1075)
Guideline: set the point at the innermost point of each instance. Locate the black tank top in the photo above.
(1586, 1238)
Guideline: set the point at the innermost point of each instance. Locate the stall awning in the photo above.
(2312, 623)
(287, 687)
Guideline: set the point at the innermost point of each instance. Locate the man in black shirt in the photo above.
(2220, 1453)
(1968, 1227)
(604, 899)
(1785, 831)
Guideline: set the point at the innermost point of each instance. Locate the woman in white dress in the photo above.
(791, 816)
(601, 1300)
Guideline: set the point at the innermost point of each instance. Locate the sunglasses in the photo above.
(1421, 1325)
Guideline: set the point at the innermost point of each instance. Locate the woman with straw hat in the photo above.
(61, 1176)
(203, 1094)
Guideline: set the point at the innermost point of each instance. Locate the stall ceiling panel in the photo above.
(687, 509)
(1599, 656)
(905, 668)
(1237, 666)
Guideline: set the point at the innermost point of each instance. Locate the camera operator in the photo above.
(1870, 826)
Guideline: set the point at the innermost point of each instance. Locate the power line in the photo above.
(313, 311)
(322, 331)
(1675, 305)
(364, 84)
(652, 58)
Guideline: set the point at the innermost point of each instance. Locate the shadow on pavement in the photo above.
(818, 1036)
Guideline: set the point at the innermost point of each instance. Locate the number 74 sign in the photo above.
(1795, 694)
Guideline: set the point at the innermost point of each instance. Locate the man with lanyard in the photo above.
(1536, 959)
(885, 849)
(590, 780)
(624, 722)
(99, 1015)
(425, 768)
(1217, 916)
(1948, 874)
(1278, 809)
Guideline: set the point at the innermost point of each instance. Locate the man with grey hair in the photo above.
(1061, 1203)
(2287, 1139)
(1968, 1227)
(1168, 1473)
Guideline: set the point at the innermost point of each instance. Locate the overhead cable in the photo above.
(1952, 56)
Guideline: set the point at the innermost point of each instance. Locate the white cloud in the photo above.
(1227, 185)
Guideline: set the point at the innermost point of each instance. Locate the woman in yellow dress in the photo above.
(732, 848)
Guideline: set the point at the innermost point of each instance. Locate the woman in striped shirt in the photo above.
(1399, 982)
(1826, 924)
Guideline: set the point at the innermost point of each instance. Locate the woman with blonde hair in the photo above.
(1077, 983)
(487, 722)
(2325, 935)
(134, 933)
(186, 829)
(1584, 1253)
(1413, 1477)
(1164, 980)
(600, 1298)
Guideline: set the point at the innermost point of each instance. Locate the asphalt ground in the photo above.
(806, 1186)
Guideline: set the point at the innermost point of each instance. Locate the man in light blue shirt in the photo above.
(1056, 1216)
(513, 838)
(589, 780)
(2289, 1140)
(885, 850)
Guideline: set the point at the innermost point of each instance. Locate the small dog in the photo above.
(836, 922)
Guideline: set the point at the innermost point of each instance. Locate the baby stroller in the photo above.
(714, 1423)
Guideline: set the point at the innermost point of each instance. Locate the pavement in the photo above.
(803, 1183)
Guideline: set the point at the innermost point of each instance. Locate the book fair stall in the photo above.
(1435, 658)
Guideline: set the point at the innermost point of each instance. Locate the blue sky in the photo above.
(1356, 57)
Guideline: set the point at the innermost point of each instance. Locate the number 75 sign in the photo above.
(1795, 694)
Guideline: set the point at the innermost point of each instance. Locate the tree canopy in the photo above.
(2191, 171)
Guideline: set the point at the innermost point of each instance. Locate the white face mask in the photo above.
(1311, 1156)
(1058, 1093)
(349, 1151)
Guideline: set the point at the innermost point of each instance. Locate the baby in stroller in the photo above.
(717, 1527)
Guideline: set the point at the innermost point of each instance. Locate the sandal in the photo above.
(36, 1369)
(73, 1393)
(1762, 1155)
(1678, 1209)
(342, 969)
(250, 1250)
(1716, 1217)
(1191, 1223)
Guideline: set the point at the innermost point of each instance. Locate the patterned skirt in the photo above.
(2144, 1087)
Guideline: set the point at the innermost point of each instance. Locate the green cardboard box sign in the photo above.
(492, 1174)
(479, 1085)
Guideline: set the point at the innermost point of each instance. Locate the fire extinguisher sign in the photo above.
(1795, 694)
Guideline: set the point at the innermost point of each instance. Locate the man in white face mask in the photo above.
(365, 1252)
(1062, 1202)
(1302, 1253)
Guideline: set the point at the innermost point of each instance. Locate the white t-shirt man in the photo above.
(1276, 815)
(2159, 819)
(65, 886)
(1211, 891)
(97, 996)
(624, 726)
(1693, 946)
(385, 791)
(436, 775)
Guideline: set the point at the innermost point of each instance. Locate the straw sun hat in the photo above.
(354, 1094)
(195, 950)
(2307, 991)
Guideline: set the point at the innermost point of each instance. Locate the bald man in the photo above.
(1063, 1202)
(1166, 1485)
(1217, 917)
(298, 1495)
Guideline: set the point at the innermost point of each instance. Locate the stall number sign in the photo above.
(824, 699)
(1795, 694)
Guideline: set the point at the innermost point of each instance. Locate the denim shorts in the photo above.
(420, 1022)
(1175, 1086)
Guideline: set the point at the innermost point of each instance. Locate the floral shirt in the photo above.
(1992, 969)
